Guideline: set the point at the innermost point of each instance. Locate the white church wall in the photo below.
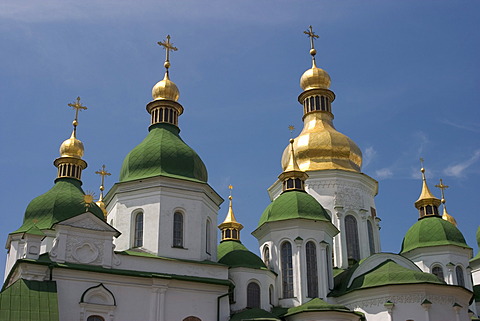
(138, 298)
(297, 232)
(407, 301)
(241, 277)
(159, 198)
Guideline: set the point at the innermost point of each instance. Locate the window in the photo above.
(460, 278)
(371, 242)
(329, 259)
(95, 318)
(287, 270)
(177, 229)
(312, 273)
(266, 256)
(253, 295)
(353, 248)
(438, 272)
(138, 234)
(192, 319)
(207, 236)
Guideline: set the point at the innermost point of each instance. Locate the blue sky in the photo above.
(405, 74)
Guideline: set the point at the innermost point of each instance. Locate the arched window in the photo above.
(312, 273)
(191, 319)
(460, 278)
(266, 256)
(178, 229)
(207, 236)
(138, 234)
(438, 272)
(253, 295)
(287, 270)
(353, 248)
(95, 318)
(371, 241)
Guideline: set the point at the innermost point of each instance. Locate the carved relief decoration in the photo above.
(403, 298)
(84, 250)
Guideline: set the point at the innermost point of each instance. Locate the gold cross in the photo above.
(291, 128)
(442, 187)
(77, 106)
(311, 35)
(167, 45)
(103, 173)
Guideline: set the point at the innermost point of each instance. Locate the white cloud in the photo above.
(384, 173)
(368, 156)
(472, 128)
(423, 141)
(458, 170)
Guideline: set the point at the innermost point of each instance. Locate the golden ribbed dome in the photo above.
(72, 147)
(320, 146)
(165, 90)
(315, 78)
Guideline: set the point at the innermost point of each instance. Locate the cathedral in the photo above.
(148, 249)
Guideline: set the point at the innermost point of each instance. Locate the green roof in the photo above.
(254, 314)
(432, 231)
(317, 304)
(294, 204)
(163, 153)
(235, 254)
(26, 300)
(45, 260)
(390, 272)
(63, 201)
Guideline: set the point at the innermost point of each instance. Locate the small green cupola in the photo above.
(163, 152)
(65, 199)
(431, 229)
(294, 202)
(231, 251)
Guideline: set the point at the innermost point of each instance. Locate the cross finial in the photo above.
(291, 128)
(230, 187)
(167, 45)
(77, 105)
(102, 173)
(309, 32)
(442, 187)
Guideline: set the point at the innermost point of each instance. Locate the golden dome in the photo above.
(102, 206)
(165, 90)
(315, 78)
(72, 147)
(320, 146)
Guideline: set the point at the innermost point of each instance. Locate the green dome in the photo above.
(163, 153)
(390, 272)
(432, 231)
(294, 204)
(235, 254)
(63, 201)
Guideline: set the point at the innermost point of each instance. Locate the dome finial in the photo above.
(314, 78)
(427, 203)
(230, 227)
(77, 105)
(100, 202)
(167, 45)
(166, 89)
(70, 163)
(445, 216)
(309, 32)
